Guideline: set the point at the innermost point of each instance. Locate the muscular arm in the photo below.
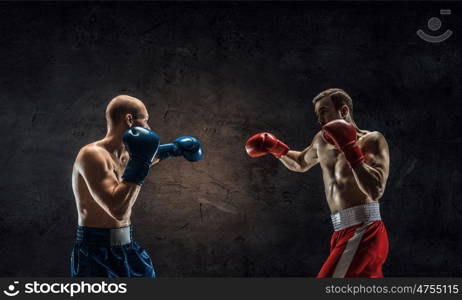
(301, 161)
(116, 198)
(372, 174)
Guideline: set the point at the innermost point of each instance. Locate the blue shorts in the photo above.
(103, 252)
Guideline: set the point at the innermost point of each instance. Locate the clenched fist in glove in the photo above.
(264, 143)
(187, 146)
(342, 135)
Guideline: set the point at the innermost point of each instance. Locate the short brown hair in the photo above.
(338, 96)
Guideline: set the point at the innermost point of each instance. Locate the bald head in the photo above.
(125, 110)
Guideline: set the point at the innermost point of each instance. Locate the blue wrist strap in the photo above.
(136, 171)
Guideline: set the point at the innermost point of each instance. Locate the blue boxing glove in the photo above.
(187, 146)
(142, 145)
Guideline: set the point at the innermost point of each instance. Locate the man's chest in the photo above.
(118, 166)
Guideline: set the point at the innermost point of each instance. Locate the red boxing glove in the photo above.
(264, 143)
(342, 135)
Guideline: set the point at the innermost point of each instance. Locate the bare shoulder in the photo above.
(91, 154)
(317, 135)
(373, 137)
(374, 141)
(317, 139)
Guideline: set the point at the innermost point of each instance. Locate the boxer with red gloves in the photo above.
(355, 167)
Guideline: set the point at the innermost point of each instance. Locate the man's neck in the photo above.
(113, 142)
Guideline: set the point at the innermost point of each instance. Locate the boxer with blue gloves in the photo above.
(106, 180)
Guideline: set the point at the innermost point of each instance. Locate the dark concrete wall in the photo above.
(222, 72)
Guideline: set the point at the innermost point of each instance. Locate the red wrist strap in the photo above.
(280, 149)
(353, 154)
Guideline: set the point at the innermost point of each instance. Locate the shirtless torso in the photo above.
(93, 210)
(345, 187)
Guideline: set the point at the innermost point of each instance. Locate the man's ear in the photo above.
(129, 120)
(344, 110)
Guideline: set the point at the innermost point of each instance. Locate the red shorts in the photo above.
(357, 251)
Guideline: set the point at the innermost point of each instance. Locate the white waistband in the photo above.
(120, 236)
(356, 215)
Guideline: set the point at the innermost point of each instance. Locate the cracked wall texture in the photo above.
(222, 72)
